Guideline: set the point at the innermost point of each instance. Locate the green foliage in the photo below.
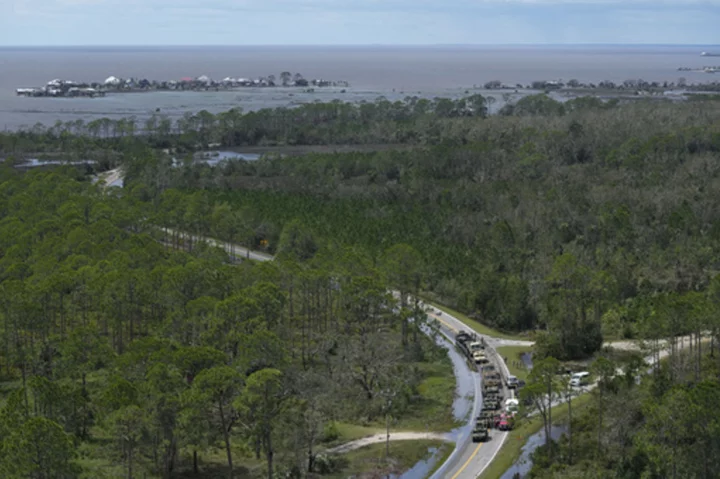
(142, 354)
(296, 242)
(534, 105)
(553, 217)
(38, 449)
(662, 427)
(549, 221)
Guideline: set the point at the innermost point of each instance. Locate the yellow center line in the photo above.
(474, 453)
(451, 328)
(472, 456)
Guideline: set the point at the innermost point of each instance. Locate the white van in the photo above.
(579, 379)
(512, 405)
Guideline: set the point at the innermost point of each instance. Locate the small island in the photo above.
(70, 89)
(715, 69)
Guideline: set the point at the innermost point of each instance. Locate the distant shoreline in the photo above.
(358, 46)
(71, 89)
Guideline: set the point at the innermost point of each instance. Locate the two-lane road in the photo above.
(469, 459)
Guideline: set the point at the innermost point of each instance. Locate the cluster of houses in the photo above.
(704, 69)
(63, 88)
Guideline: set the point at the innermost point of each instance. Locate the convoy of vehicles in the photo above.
(497, 412)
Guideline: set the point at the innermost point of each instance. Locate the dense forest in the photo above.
(572, 222)
(568, 224)
(661, 427)
(117, 350)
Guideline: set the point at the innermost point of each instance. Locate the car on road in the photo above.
(505, 423)
(512, 405)
(512, 382)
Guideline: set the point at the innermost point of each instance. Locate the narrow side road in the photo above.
(112, 177)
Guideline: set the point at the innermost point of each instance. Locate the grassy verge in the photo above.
(443, 455)
(477, 326)
(433, 410)
(511, 450)
(514, 362)
(372, 459)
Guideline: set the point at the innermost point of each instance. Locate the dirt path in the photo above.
(394, 436)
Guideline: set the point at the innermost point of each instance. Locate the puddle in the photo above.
(421, 469)
(527, 360)
(522, 466)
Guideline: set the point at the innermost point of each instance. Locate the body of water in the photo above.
(524, 463)
(393, 72)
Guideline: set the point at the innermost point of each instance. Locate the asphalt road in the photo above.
(469, 459)
(237, 252)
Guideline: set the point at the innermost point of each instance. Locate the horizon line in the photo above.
(358, 45)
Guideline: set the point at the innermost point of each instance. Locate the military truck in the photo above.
(487, 418)
(480, 433)
(479, 357)
(491, 389)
